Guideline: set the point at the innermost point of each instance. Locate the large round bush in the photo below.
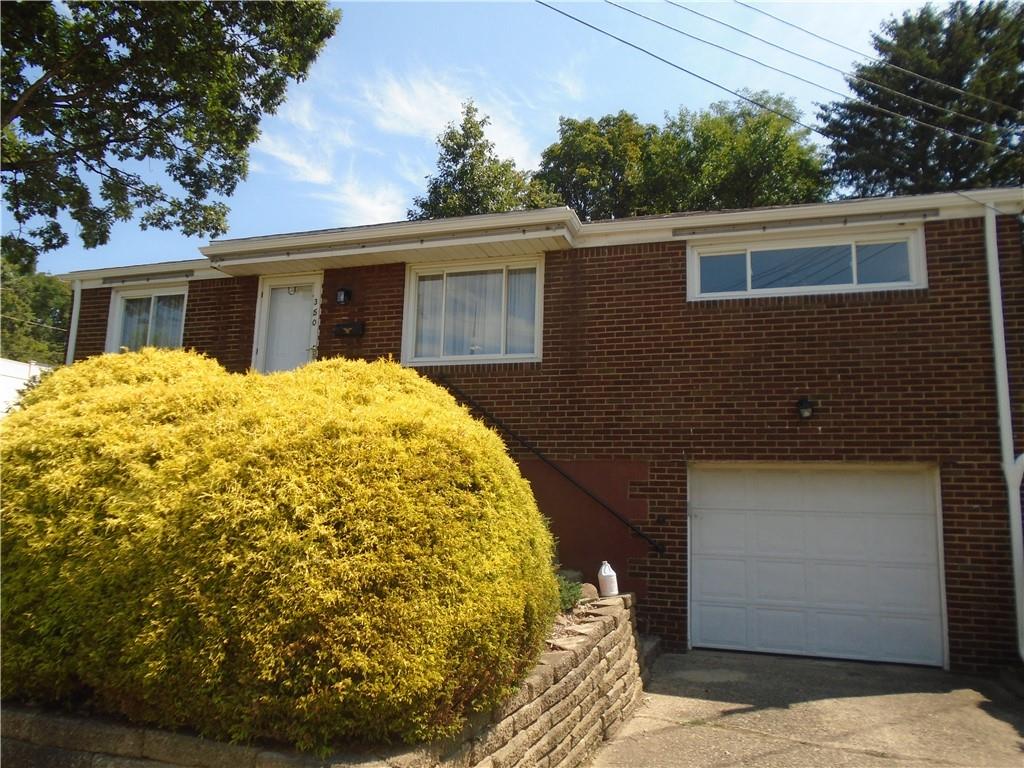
(331, 553)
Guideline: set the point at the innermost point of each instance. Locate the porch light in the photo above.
(344, 296)
(805, 407)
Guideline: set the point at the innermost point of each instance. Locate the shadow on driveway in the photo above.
(716, 709)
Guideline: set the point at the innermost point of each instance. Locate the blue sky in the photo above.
(353, 143)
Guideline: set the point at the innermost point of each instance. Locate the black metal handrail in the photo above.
(656, 546)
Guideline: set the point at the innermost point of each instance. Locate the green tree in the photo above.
(978, 49)
(597, 166)
(35, 312)
(733, 155)
(472, 179)
(96, 96)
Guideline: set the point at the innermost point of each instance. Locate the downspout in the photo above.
(1013, 468)
(76, 306)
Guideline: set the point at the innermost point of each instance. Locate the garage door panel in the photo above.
(905, 538)
(721, 579)
(777, 534)
(781, 630)
(845, 634)
(840, 585)
(780, 580)
(822, 561)
(910, 640)
(722, 626)
(722, 533)
(905, 589)
(838, 537)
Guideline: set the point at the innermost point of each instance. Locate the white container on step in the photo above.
(607, 582)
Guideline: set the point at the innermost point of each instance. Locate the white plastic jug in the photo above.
(607, 581)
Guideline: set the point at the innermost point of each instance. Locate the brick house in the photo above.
(786, 428)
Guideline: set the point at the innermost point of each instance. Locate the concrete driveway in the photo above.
(717, 709)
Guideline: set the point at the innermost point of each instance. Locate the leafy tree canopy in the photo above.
(472, 179)
(732, 155)
(978, 49)
(36, 310)
(597, 166)
(91, 90)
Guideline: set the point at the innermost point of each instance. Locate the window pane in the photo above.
(472, 323)
(792, 267)
(883, 263)
(429, 293)
(522, 308)
(723, 273)
(167, 318)
(135, 323)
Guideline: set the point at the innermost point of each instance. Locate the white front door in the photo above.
(817, 560)
(288, 323)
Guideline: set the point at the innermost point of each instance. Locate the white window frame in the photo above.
(415, 271)
(259, 344)
(915, 256)
(115, 316)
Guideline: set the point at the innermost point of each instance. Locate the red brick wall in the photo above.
(633, 373)
(91, 338)
(636, 378)
(377, 298)
(220, 319)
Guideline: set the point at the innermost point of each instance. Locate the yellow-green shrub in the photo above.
(332, 553)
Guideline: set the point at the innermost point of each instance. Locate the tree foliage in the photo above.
(472, 179)
(731, 155)
(597, 166)
(36, 310)
(978, 49)
(96, 96)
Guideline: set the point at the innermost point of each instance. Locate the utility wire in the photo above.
(672, 64)
(848, 75)
(30, 322)
(823, 87)
(883, 62)
(737, 94)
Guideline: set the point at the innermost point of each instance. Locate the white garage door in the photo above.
(817, 561)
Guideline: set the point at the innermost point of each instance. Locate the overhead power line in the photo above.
(844, 73)
(737, 94)
(874, 107)
(1016, 111)
(681, 68)
(30, 322)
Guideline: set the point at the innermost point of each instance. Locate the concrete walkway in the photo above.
(711, 709)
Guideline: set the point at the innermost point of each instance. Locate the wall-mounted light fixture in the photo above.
(344, 296)
(805, 407)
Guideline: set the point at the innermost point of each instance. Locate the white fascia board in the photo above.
(942, 205)
(141, 274)
(390, 237)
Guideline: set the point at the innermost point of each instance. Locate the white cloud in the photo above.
(303, 113)
(359, 202)
(569, 81)
(302, 161)
(424, 103)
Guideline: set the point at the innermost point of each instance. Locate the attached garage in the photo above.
(817, 560)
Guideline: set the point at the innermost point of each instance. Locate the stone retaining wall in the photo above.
(576, 697)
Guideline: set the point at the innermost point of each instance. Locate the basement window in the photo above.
(812, 266)
(146, 318)
(473, 313)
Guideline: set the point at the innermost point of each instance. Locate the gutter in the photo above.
(76, 306)
(1013, 467)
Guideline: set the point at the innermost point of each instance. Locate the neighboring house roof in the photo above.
(529, 232)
